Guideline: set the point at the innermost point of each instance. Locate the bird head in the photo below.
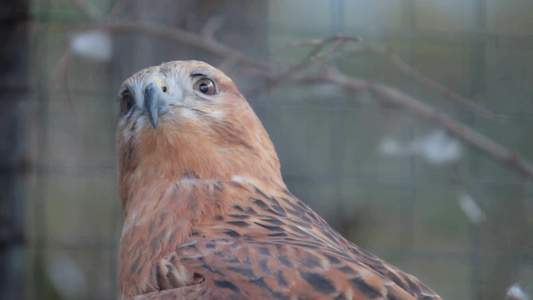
(187, 120)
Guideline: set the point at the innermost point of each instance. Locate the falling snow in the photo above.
(92, 44)
(436, 148)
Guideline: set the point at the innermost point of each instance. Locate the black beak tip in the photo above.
(154, 120)
(154, 124)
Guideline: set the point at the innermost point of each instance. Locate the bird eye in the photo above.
(205, 86)
(126, 102)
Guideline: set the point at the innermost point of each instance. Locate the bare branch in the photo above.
(385, 94)
(417, 75)
(184, 37)
(211, 26)
(206, 40)
(176, 34)
(335, 47)
(61, 78)
(393, 59)
(315, 53)
(315, 43)
(394, 97)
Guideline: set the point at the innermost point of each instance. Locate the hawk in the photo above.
(206, 212)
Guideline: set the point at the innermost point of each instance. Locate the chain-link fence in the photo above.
(391, 181)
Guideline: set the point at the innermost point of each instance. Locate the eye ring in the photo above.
(205, 86)
(126, 102)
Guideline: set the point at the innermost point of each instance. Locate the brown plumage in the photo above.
(207, 215)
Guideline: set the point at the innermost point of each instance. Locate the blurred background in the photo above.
(391, 181)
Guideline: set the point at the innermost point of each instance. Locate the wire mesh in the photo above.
(403, 209)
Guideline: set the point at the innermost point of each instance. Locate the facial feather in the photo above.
(213, 136)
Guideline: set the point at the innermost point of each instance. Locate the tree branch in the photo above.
(394, 97)
(391, 58)
(176, 34)
(383, 93)
(421, 78)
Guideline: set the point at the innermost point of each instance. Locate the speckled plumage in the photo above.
(207, 215)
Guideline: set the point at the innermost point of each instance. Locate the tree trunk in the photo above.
(14, 104)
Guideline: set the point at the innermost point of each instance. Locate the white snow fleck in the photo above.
(515, 292)
(471, 209)
(93, 44)
(391, 147)
(67, 277)
(436, 148)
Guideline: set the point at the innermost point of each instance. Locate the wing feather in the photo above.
(271, 245)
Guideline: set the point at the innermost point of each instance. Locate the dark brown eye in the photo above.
(205, 86)
(126, 102)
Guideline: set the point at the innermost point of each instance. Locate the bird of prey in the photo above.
(206, 212)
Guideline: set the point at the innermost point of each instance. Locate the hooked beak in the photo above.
(156, 102)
